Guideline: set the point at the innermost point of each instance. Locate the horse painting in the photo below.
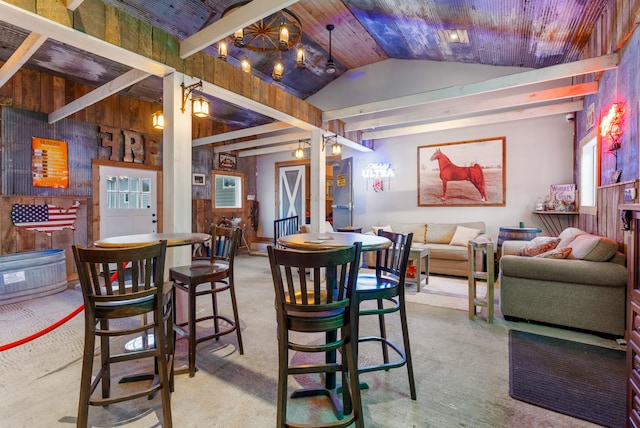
(452, 172)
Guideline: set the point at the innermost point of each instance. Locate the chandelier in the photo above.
(275, 33)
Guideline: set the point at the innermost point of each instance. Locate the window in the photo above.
(125, 192)
(227, 190)
(588, 171)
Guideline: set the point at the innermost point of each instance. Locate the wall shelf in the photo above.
(556, 221)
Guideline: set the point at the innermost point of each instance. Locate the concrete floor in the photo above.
(461, 367)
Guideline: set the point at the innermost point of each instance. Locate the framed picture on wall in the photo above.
(227, 161)
(197, 179)
(465, 173)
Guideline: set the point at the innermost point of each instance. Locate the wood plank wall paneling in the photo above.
(607, 221)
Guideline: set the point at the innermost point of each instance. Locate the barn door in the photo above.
(291, 192)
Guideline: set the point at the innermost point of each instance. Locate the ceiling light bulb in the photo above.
(300, 57)
(331, 67)
(283, 40)
(245, 65)
(278, 70)
(238, 38)
(222, 50)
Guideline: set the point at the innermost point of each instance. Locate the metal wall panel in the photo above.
(19, 127)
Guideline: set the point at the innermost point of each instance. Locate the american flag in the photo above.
(44, 218)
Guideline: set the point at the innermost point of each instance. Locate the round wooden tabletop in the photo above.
(173, 239)
(331, 240)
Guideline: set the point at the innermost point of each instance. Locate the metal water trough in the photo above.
(33, 274)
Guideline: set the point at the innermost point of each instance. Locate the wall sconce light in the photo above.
(336, 148)
(199, 105)
(299, 152)
(611, 125)
(158, 120)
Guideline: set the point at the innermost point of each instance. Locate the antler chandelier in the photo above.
(275, 33)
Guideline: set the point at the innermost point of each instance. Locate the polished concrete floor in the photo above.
(461, 366)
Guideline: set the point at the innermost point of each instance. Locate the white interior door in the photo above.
(128, 202)
(291, 192)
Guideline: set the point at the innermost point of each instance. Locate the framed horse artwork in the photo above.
(464, 173)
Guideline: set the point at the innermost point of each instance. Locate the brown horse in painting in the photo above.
(451, 172)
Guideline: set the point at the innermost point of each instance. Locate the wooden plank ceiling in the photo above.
(535, 35)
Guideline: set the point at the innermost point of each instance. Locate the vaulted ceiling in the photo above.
(537, 35)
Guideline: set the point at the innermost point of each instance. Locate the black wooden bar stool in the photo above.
(210, 276)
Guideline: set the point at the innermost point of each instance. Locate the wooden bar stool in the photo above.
(217, 271)
(481, 253)
(387, 289)
(134, 288)
(307, 305)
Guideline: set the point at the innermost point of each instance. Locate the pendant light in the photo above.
(278, 70)
(331, 67)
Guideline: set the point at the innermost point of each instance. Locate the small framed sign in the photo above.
(227, 161)
(198, 180)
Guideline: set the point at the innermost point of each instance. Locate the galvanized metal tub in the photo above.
(33, 274)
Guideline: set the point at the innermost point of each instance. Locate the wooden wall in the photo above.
(607, 221)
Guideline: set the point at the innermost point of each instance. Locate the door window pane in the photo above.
(128, 192)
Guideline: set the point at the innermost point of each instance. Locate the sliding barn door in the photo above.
(291, 192)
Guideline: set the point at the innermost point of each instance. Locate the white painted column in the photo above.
(176, 175)
(317, 185)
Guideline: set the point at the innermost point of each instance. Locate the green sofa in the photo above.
(585, 291)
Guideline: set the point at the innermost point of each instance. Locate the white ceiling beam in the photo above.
(268, 150)
(476, 121)
(98, 94)
(462, 106)
(53, 30)
(266, 141)
(531, 77)
(27, 48)
(243, 16)
(73, 4)
(241, 133)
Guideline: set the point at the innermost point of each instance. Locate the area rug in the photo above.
(445, 292)
(576, 379)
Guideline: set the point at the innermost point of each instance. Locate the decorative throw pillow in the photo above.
(538, 245)
(463, 235)
(568, 235)
(593, 247)
(386, 228)
(419, 231)
(556, 253)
